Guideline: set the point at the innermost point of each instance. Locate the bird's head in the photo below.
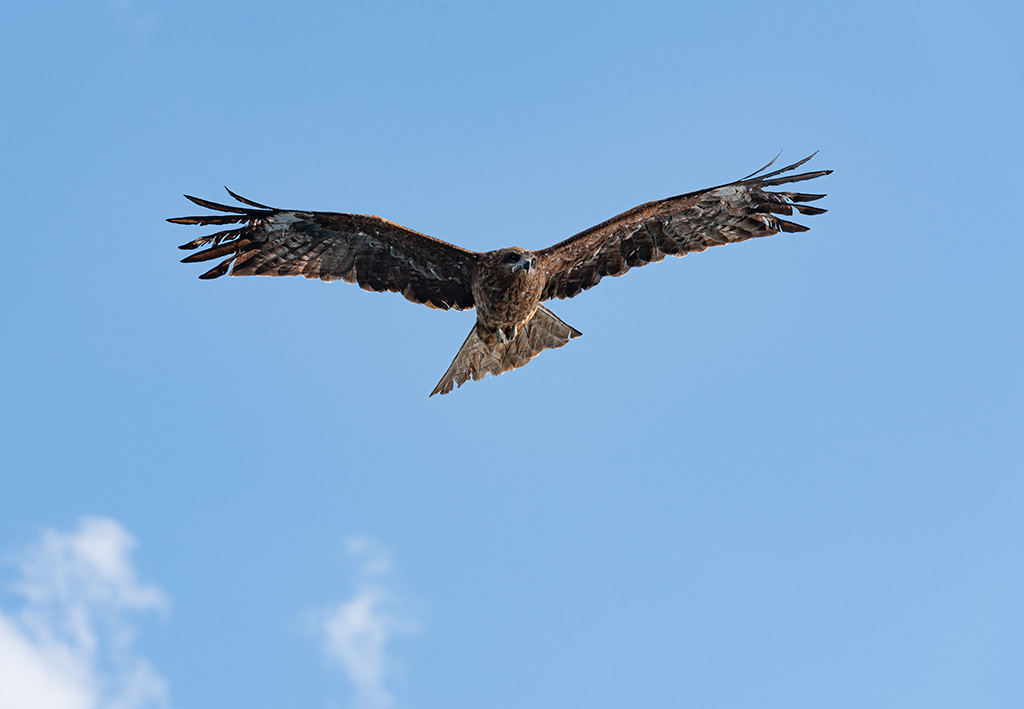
(517, 260)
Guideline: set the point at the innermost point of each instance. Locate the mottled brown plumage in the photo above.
(506, 286)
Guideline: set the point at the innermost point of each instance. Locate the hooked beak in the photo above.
(525, 265)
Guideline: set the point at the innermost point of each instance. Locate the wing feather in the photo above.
(243, 200)
(677, 226)
(377, 254)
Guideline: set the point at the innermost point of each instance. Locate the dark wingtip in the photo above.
(791, 227)
(212, 219)
(243, 200)
(216, 206)
(218, 270)
(762, 169)
(803, 196)
(788, 168)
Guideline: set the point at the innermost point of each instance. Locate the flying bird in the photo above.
(507, 286)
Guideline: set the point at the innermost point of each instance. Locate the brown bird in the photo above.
(508, 286)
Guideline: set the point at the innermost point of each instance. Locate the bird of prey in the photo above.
(508, 286)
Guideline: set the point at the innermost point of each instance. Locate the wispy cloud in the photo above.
(69, 646)
(358, 631)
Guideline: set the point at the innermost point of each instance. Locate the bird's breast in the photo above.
(507, 300)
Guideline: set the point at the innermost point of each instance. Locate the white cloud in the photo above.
(70, 644)
(358, 631)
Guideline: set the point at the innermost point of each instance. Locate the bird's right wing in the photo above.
(677, 226)
(377, 254)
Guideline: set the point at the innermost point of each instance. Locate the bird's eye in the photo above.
(512, 258)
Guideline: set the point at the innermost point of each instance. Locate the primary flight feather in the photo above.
(506, 286)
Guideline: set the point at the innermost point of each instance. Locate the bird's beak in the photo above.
(525, 265)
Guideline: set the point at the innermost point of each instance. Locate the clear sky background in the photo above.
(786, 473)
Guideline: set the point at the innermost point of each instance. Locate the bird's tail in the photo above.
(479, 356)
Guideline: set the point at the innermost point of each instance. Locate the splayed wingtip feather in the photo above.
(243, 200)
(762, 169)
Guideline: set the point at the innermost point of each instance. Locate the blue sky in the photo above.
(782, 473)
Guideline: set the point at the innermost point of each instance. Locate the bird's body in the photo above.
(506, 286)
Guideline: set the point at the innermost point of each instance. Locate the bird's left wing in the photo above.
(377, 254)
(676, 226)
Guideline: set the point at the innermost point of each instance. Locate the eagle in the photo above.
(509, 286)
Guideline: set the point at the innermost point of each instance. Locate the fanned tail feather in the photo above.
(478, 357)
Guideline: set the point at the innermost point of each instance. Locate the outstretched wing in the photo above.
(676, 226)
(377, 254)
